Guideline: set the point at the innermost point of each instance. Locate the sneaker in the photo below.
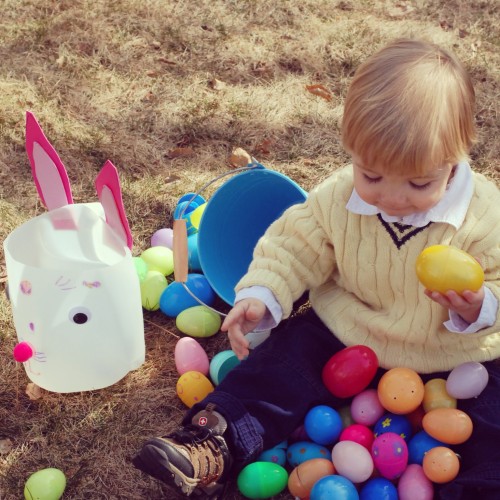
(194, 458)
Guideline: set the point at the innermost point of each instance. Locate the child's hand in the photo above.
(241, 319)
(467, 305)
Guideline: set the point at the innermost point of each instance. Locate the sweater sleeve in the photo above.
(294, 255)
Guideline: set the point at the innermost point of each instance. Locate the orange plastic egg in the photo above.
(192, 387)
(400, 390)
(436, 395)
(448, 425)
(305, 475)
(441, 465)
(442, 267)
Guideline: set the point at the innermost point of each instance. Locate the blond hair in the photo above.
(410, 108)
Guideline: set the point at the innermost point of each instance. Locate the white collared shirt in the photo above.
(451, 209)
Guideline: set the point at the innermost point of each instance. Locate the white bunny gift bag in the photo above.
(72, 282)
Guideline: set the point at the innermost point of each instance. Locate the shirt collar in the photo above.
(451, 209)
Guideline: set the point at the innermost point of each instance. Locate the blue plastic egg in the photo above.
(323, 424)
(334, 487)
(419, 445)
(306, 450)
(276, 455)
(193, 257)
(176, 299)
(378, 488)
(390, 422)
(187, 204)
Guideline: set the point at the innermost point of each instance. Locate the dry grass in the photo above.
(131, 80)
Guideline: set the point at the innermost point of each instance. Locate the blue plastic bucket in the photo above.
(235, 217)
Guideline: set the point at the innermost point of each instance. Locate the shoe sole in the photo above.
(153, 461)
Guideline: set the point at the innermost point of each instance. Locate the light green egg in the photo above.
(152, 287)
(198, 321)
(141, 268)
(159, 259)
(262, 480)
(45, 484)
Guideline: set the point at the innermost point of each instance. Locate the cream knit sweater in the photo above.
(360, 273)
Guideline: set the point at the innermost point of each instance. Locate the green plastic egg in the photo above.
(141, 268)
(198, 321)
(159, 259)
(46, 484)
(151, 289)
(262, 480)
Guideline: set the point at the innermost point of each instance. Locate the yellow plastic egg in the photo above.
(441, 465)
(448, 425)
(192, 387)
(436, 395)
(443, 267)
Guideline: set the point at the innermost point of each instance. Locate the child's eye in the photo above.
(420, 186)
(372, 179)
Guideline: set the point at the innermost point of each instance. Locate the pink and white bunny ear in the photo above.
(49, 174)
(108, 189)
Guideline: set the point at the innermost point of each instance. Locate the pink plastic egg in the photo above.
(358, 433)
(467, 380)
(414, 484)
(366, 408)
(350, 370)
(390, 455)
(190, 356)
(352, 460)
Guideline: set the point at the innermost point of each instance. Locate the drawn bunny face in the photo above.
(72, 282)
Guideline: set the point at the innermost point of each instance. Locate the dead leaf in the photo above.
(152, 73)
(445, 25)
(216, 84)
(308, 162)
(320, 91)
(180, 153)
(166, 61)
(33, 391)
(264, 147)
(6, 445)
(240, 158)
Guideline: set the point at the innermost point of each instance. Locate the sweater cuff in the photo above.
(487, 316)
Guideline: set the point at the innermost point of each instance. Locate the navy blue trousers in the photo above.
(266, 397)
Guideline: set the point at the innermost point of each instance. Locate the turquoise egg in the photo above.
(262, 480)
(198, 321)
(222, 363)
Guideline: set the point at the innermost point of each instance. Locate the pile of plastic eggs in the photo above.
(155, 268)
(391, 442)
(198, 374)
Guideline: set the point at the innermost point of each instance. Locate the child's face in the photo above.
(400, 194)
